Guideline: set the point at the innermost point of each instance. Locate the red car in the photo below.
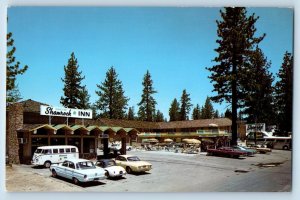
(226, 151)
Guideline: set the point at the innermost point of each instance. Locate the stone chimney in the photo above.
(13, 123)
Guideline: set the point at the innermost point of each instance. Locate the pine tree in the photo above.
(259, 102)
(147, 104)
(94, 110)
(72, 84)
(13, 95)
(84, 98)
(236, 32)
(284, 94)
(202, 113)
(130, 115)
(12, 70)
(185, 106)
(159, 117)
(112, 102)
(174, 111)
(216, 114)
(208, 110)
(197, 112)
(228, 114)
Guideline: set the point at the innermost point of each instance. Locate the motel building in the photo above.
(30, 124)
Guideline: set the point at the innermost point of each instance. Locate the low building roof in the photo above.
(219, 122)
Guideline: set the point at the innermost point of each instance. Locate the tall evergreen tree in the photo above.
(95, 111)
(284, 94)
(208, 110)
(147, 104)
(130, 115)
(236, 32)
(12, 70)
(112, 102)
(84, 98)
(174, 111)
(259, 102)
(197, 112)
(72, 84)
(216, 114)
(185, 105)
(228, 114)
(159, 117)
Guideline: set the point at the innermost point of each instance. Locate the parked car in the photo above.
(249, 151)
(128, 148)
(226, 151)
(133, 164)
(111, 167)
(78, 170)
(263, 150)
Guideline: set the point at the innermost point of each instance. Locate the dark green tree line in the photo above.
(131, 114)
(159, 116)
(197, 113)
(208, 110)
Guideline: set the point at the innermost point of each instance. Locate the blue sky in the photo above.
(174, 44)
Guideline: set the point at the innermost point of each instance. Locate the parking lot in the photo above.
(173, 172)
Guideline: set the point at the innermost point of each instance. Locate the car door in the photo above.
(70, 170)
(121, 161)
(62, 169)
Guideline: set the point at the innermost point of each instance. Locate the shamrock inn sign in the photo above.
(65, 112)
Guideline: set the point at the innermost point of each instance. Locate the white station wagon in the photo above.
(78, 170)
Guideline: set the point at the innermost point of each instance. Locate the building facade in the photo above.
(27, 129)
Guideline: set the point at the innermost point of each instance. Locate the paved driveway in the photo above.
(174, 172)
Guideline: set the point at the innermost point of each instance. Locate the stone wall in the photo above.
(14, 122)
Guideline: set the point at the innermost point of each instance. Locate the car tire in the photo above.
(75, 181)
(47, 164)
(128, 170)
(107, 174)
(285, 147)
(54, 174)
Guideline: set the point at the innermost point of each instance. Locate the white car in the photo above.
(111, 167)
(128, 148)
(78, 170)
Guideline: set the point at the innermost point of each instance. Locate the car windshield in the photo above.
(86, 165)
(109, 163)
(242, 148)
(38, 151)
(133, 158)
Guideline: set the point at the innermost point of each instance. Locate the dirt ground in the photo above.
(33, 183)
